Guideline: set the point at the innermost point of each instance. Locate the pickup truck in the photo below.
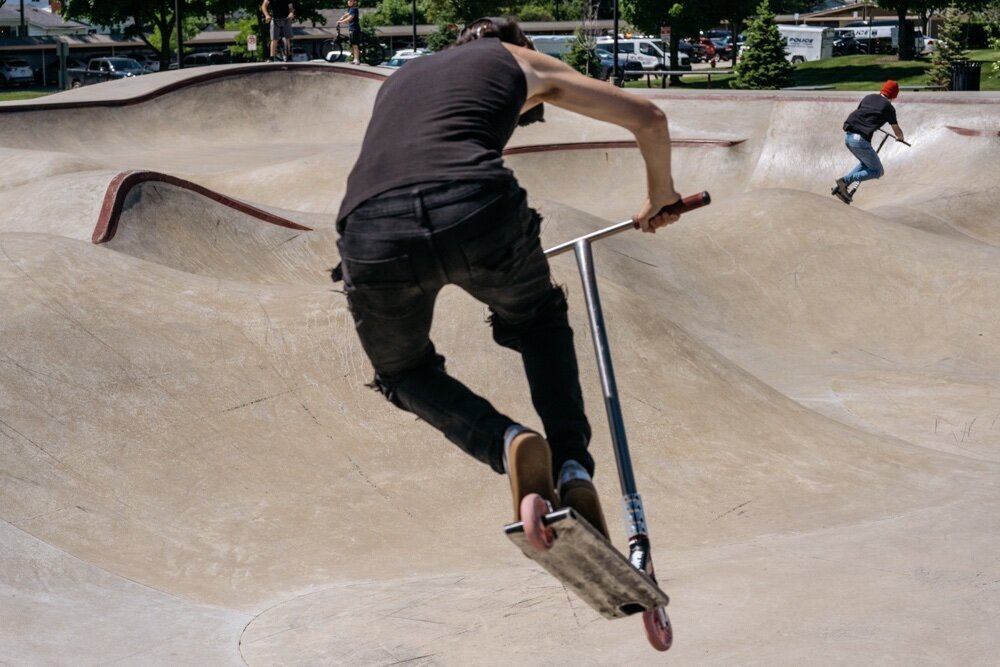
(99, 70)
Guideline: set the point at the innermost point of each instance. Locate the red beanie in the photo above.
(890, 89)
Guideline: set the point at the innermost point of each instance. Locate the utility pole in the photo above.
(180, 34)
(616, 77)
(23, 31)
(413, 18)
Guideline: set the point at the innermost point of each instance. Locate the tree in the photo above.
(442, 38)
(905, 30)
(460, 11)
(141, 18)
(145, 19)
(947, 48)
(248, 25)
(735, 13)
(581, 55)
(763, 65)
(396, 12)
(989, 14)
(684, 18)
(532, 11)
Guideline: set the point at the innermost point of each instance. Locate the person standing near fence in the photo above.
(350, 17)
(873, 112)
(279, 13)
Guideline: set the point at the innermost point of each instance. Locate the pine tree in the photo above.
(762, 63)
(948, 47)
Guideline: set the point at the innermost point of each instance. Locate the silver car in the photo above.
(16, 71)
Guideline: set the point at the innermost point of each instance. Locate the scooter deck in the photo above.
(591, 567)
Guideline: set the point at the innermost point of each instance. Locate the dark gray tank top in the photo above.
(442, 117)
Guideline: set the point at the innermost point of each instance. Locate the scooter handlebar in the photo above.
(689, 203)
(890, 134)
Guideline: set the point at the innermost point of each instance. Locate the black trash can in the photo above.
(965, 74)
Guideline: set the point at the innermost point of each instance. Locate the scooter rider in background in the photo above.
(872, 113)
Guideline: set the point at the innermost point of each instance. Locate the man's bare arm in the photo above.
(551, 81)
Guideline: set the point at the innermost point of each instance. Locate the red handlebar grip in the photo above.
(689, 203)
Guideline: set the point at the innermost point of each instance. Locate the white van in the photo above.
(651, 53)
(806, 43)
(554, 45)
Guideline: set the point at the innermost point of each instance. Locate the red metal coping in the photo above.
(594, 145)
(122, 184)
(969, 132)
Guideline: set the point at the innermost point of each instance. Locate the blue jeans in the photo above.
(399, 249)
(869, 166)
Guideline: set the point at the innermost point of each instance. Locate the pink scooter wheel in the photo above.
(658, 630)
(533, 510)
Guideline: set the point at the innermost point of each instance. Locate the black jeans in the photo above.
(399, 249)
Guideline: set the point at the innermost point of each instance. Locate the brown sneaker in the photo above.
(581, 495)
(529, 466)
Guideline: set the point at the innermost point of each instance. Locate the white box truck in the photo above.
(806, 43)
(885, 30)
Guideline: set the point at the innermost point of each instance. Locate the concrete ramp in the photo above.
(193, 471)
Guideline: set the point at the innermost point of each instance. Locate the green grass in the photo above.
(861, 73)
(26, 94)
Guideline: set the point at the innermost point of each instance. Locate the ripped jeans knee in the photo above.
(388, 384)
(551, 313)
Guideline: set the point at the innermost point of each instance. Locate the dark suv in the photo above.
(845, 44)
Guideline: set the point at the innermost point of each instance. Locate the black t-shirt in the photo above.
(355, 24)
(443, 117)
(873, 112)
(279, 9)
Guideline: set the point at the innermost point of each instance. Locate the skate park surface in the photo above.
(194, 473)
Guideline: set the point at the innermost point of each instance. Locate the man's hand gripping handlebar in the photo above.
(668, 213)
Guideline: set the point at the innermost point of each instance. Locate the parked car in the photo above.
(716, 34)
(16, 71)
(844, 43)
(723, 47)
(403, 56)
(299, 55)
(688, 49)
(99, 70)
(149, 63)
(50, 75)
(204, 58)
(709, 46)
(630, 67)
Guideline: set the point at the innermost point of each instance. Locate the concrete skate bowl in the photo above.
(194, 473)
